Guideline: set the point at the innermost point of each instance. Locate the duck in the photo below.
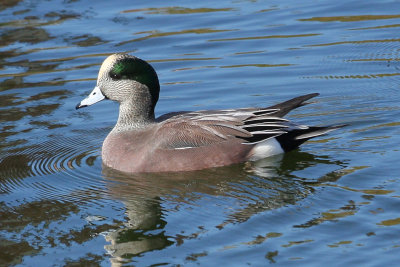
(187, 140)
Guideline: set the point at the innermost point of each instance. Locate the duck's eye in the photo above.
(115, 76)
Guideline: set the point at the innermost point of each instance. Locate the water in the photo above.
(333, 201)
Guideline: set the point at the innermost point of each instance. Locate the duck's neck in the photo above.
(134, 115)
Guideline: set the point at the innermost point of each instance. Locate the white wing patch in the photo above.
(181, 148)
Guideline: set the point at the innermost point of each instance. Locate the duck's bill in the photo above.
(95, 96)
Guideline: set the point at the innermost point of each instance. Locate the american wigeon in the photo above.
(185, 141)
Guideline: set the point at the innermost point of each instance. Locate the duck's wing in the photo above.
(204, 128)
(247, 125)
(281, 109)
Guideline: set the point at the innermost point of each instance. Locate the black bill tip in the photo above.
(78, 106)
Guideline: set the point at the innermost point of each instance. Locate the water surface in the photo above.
(334, 200)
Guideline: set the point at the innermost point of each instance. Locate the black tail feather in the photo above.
(285, 107)
(293, 139)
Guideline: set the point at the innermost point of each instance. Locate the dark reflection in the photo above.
(34, 213)
(15, 166)
(61, 16)
(89, 259)
(33, 21)
(29, 35)
(257, 187)
(12, 253)
(16, 219)
(17, 107)
(32, 67)
(85, 40)
(351, 18)
(28, 104)
(8, 3)
(32, 221)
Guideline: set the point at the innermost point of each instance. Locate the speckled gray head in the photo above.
(125, 78)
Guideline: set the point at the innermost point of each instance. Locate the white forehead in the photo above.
(108, 63)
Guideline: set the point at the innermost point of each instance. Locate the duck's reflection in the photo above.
(257, 187)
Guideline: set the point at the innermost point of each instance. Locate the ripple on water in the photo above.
(348, 60)
(61, 167)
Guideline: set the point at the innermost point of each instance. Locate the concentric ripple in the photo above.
(57, 168)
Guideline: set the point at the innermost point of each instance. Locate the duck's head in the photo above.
(126, 79)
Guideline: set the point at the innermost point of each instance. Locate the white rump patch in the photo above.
(265, 149)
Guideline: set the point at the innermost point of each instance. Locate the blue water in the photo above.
(334, 201)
